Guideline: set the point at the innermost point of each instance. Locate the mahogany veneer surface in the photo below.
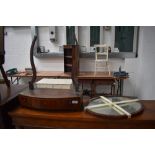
(23, 117)
(9, 93)
(51, 99)
(44, 74)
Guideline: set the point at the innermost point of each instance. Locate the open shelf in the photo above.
(71, 59)
(68, 65)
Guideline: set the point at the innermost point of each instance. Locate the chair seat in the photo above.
(101, 53)
(101, 60)
(101, 67)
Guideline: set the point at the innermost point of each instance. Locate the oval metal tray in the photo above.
(98, 107)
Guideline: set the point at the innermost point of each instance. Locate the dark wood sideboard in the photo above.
(28, 118)
(8, 102)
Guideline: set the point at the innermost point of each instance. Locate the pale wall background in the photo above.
(142, 73)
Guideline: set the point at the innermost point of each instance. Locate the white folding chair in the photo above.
(101, 57)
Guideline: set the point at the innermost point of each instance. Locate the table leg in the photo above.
(82, 86)
(118, 86)
(121, 87)
(11, 80)
(17, 80)
(93, 88)
(113, 89)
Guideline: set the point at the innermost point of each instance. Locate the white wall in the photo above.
(45, 41)
(141, 82)
(17, 45)
(107, 36)
(84, 34)
(145, 84)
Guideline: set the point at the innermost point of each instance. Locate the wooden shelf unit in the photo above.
(71, 59)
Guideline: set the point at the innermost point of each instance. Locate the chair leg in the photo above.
(108, 70)
(95, 67)
(113, 89)
(107, 65)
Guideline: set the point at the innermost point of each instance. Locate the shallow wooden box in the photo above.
(54, 83)
(51, 99)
